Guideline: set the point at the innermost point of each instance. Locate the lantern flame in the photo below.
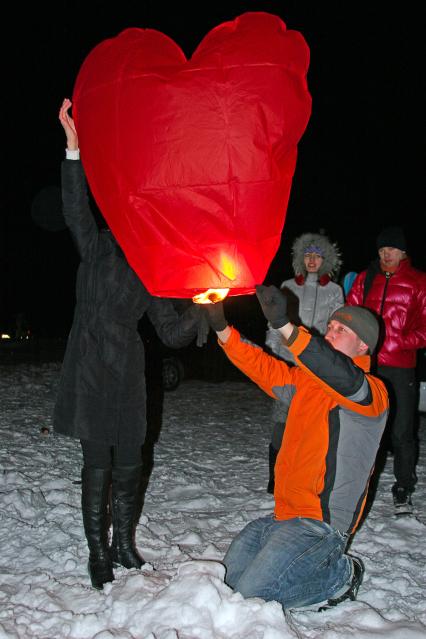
(211, 296)
(214, 295)
(228, 267)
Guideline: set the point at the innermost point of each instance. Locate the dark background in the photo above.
(361, 162)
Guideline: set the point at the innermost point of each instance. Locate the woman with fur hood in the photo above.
(312, 296)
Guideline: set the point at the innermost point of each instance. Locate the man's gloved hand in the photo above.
(274, 305)
(216, 316)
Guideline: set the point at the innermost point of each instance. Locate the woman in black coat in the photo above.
(102, 395)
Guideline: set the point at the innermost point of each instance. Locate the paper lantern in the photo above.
(191, 161)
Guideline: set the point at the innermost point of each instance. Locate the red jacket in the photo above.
(400, 300)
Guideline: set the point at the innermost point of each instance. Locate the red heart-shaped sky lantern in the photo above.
(191, 161)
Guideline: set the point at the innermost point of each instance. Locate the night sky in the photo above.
(361, 161)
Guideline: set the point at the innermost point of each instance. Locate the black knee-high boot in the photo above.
(272, 459)
(126, 507)
(95, 484)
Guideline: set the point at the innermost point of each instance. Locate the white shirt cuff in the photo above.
(73, 154)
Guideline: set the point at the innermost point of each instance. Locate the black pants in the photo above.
(402, 388)
(102, 455)
(277, 434)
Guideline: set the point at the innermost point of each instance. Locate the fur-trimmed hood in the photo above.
(332, 260)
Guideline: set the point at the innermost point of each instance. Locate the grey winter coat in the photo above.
(315, 304)
(311, 298)
(102, 392)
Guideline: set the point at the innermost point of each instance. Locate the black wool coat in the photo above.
(102, 393)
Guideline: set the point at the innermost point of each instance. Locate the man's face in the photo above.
(313, 262)
(343, 339)
(390, 257)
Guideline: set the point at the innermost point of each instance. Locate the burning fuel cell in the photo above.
(211, 296)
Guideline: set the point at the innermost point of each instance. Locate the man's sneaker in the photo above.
(402, 501)
(352, 592)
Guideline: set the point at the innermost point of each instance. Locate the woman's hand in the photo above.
(68, 124)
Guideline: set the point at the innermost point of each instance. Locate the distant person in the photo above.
(312, 296)
(396, 291)
(337, 415)
(101, 398)
(21, 326)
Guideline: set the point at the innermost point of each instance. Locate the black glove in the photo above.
(216, 316)
(274, 305)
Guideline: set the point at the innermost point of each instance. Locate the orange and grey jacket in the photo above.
(337, 414)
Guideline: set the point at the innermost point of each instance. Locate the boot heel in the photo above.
(100, 572)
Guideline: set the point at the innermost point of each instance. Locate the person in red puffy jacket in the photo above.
(396, 291)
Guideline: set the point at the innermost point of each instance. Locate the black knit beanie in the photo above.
(392, 236)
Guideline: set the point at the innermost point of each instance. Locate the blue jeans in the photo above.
(297, 562)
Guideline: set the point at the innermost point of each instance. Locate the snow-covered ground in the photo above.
(208, 480)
